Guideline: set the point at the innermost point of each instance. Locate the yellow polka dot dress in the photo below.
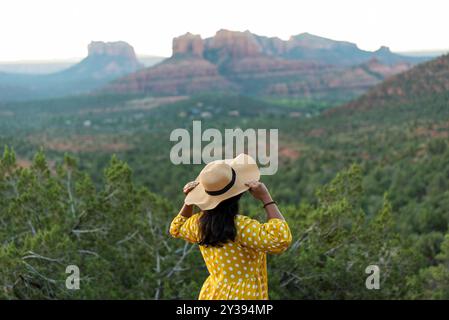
(237, 270)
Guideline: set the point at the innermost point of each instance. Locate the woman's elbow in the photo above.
(280, 246)
(173, 232)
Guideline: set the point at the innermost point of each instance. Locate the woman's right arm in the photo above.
(273, 236)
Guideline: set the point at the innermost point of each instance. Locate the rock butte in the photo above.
(234, 61)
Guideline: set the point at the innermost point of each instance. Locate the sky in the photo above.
(62, 29)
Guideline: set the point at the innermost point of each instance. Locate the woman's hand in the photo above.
(189, 187)
(259, 191)
(187, 209)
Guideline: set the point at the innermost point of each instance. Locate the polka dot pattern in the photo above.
(237, 269)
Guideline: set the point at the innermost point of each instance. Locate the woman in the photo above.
(233, 246)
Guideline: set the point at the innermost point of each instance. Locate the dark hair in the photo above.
(217, 225)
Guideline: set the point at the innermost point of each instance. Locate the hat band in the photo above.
(226, 188)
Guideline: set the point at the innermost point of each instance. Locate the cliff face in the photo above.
(272, 46)
(228, 46)
(174, 77)
(118, 48)
(342, 83)
(188, 45)
(304, 65)
(187, 71)
(224, 46)
(107, 60)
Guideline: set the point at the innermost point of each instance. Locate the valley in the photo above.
(362, 178)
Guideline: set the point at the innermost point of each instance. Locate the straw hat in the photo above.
(222, 179)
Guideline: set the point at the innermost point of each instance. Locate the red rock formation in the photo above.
(254, 64)
(354, 80)
(229, 45)
(174, 77)
(384, 70)
(272, 46)
(118, 48)
(108, 59)
(188, 44)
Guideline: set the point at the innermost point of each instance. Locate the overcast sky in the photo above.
(61, 29)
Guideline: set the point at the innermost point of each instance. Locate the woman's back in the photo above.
(237, 268)
(233, 246)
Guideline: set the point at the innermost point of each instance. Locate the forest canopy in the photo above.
(116, 233)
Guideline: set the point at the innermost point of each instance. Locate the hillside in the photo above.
(390, 208)
(173, 77)
(11, 92)
(305, 66)
(395, 198)
(425, 80)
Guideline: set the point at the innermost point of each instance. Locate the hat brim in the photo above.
(246, 170)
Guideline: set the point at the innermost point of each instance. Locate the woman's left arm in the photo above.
(178, 227)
